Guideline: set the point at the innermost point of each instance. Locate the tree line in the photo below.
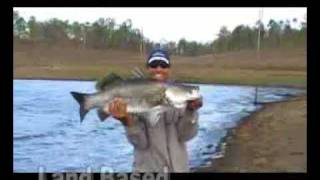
(273, 35)
(105, 33)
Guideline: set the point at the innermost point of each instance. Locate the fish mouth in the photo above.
(199, 101)
(199, 98)
(194, 99)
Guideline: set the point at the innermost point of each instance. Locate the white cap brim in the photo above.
(158, 58)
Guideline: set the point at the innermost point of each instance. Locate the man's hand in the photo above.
(194, 104)
(118, 109)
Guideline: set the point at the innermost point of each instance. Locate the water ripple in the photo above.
(26, 137)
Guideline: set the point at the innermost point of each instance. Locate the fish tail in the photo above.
(81, 98)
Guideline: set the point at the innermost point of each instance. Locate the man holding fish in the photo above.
(160, 147)
(159, 116)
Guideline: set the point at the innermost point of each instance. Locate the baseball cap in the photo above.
(159, 55)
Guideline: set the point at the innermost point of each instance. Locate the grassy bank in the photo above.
(276, 67)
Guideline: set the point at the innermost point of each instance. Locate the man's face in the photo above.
(159, 73)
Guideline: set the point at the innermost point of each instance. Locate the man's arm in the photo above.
(136, 133)
(187, 124)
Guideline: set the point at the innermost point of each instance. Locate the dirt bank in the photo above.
(271, 140)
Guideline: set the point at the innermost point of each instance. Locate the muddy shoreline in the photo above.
(270, 145)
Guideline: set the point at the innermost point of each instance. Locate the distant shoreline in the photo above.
(192, 82)
(277, 68)
(55, 79)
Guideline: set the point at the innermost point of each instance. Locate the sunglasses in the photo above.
(155, 64)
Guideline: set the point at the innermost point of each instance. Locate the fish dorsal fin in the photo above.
(138, 73)
(111, 78)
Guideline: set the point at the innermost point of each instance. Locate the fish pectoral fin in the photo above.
(102, 115)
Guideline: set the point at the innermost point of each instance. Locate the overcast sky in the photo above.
(199, 24)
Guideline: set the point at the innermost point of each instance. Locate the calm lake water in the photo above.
(48, 133)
